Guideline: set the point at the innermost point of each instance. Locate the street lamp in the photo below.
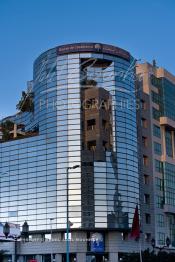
(51, 219)
(168, 241)
(6, 229)
(153, 243)
(68, 223)
(25, 232)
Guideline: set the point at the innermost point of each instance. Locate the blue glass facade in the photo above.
(33, 170)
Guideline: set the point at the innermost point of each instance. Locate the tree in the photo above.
(6, 126)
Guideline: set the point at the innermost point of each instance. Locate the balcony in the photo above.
(169, 123)
(169, 209)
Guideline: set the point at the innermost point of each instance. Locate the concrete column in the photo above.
(13, 258)
(113, 257)
(81, 257)
(58, 258)
(39, 258)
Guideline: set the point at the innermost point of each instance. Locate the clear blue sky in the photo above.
(146, 28)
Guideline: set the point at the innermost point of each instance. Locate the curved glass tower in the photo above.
(80, 133)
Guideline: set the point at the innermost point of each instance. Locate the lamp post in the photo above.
(6, 229)
(51, 219)
(67, 220)
(25, 233)
(153, 243)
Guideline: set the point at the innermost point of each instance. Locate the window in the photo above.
(168, 138)
(157, 148)
(161, 238)
(158, 166)
(147, 199)
(12, 214)
(170, 198)
(159, 201)
(156, 114)
(156, 131)
(144, 123)
(104, 124)
(143, 105)
(159, 184)
(146, 179)
(145, 160)
(148, 218)
(156, 82)
(91, 124)
(169, 184)
(156, 97)
(160, 220)
(91, 145)
(144, 141)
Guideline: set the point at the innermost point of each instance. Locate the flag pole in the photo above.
(136, 232)
(140, 249)
(140, 236)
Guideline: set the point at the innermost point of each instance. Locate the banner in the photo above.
(97, 242)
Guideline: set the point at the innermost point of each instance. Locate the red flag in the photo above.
(135, 232)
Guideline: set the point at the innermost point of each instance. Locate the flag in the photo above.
(70, 223)
(135, 231)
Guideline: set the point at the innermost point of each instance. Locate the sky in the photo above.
(28, 27)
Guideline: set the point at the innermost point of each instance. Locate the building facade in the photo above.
(157, 116)
(71, 154)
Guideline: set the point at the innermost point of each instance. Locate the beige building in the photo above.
(156, 91)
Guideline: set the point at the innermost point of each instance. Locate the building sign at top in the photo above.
(95, 48)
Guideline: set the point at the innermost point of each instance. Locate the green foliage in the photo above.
(6, 126)
(26, 102)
